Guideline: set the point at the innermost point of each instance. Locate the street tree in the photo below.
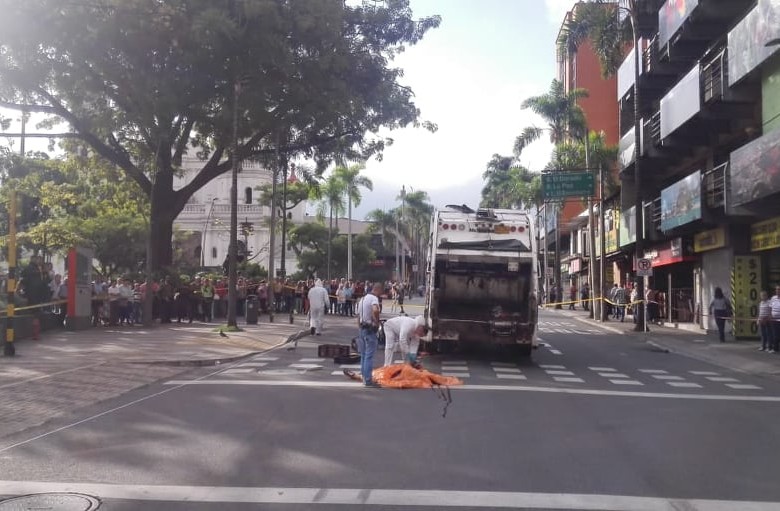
(143, 83)
(331, 203)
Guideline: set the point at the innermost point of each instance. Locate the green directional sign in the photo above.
(559, 185)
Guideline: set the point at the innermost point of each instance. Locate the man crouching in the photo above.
(406, 332)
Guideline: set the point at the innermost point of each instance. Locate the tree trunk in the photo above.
(349, 240)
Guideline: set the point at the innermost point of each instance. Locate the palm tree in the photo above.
(352, 181)
(332, 203)
(382, 222)
(564, 117)
(417, 222)
(597, 22)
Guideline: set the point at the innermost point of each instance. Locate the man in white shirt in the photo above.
(318, 302)
(405, 332)
(368, 319)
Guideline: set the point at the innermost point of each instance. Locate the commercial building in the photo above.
(709, 155)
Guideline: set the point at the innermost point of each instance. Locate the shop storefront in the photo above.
(674, 269)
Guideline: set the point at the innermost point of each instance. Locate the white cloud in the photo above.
(557, 9)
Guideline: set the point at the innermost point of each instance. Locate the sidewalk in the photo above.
(742, 356)
(66, 371)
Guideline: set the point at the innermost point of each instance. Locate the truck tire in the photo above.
(524, 350)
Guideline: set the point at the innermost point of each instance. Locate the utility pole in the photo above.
(283, 256)
(272, 233)
(403, 251)
(9, 350)
(591, 236)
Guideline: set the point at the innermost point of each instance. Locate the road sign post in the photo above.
(644, 267)
(560, 185)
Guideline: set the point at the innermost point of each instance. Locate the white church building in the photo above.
(206, 217)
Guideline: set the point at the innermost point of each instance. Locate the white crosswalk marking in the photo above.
(568, 379)
(265, 359)
(743, 386)
(722, 379)
(600, 369)
(704, 373)
(559, 373)
(684, 384)
(549, 366)
(456, 375)
(507, 370)
(667, 377)
(653, 371)
(506, 376)
(244, 370)
(310, 360)
(305, 366)
(253, 364)
(626, 382)
(613, 375)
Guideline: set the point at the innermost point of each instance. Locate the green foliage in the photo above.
(310, 243)
(143, 81)
(510, 185)
(252, 270)
(564, 117)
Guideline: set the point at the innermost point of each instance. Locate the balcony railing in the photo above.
(651, 55)
(194, 209)
(221, 209)
(714, 183)
(653, 129)
(714, 76)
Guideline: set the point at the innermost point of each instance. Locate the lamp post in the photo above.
(203, 235)
(403, 251)
(233, 252)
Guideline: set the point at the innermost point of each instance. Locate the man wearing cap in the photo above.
(406, 332)
(318, 302)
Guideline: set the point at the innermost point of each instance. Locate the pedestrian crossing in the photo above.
(566, 327)
(481, 371)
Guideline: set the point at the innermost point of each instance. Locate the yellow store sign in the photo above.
(709, 240)
(765, 235)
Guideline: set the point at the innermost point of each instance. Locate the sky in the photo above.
(469, 76)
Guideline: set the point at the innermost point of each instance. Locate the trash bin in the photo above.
(251, 310)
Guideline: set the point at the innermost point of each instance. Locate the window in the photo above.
(196, 252)
(213, 252)
(248, 195)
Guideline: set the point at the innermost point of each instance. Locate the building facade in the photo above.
(709, 155)
(203, 226)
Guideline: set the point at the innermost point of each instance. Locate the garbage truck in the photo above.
(482, 279)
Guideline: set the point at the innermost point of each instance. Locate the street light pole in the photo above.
(233, 253)
(203, 236)
(403, 251)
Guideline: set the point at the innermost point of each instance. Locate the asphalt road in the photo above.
(595, 420)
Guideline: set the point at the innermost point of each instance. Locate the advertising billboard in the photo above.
(747, 40)
(681, 103)
(671, 17)
(681, 202)
(755, 169)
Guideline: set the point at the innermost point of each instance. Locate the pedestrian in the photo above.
(207, 297)
(368, 319)
(764, 322)
(775, 305)
(585, 295)
(318, 302)
(572, 296)
(400, 291)
(720, 307)
(405, 332)
(620, 299)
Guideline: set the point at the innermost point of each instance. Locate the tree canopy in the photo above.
(143, 82)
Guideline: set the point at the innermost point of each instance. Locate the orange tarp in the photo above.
(404, 376)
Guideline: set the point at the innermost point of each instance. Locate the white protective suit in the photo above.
(400, 330)
(318, 301)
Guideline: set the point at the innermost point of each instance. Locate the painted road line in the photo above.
(653, 371)
(556, 352)
(565, 379)
(456, 375)
(668, 377)
(548, 366)
(306, 366)
(613, 375)
(490, 388)
(240, 370)
(507, 370)
(684, 384)
(253, 364)
(310, 360)
(392, 498)
(704, 373)
(599, 369)
(264, 359)
(350, 366)
(626, 382)
(743, 386)
(504, 376)
(722, 379)
(558, 373)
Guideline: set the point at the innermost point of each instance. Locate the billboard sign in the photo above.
(747, 40)
(627, 226)
(681, 103)
(681, 202)
(755, 169)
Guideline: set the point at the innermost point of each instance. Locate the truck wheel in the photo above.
(524, 350)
